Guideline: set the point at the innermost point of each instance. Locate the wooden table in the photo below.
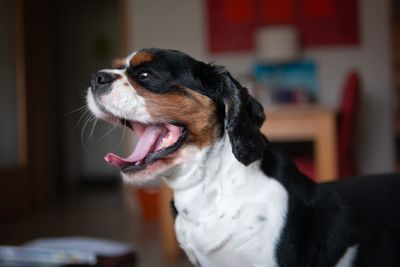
(307, 123)
(284, 123)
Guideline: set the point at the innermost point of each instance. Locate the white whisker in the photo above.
(115, 126)
(89, 118)
(94, 125)
(83, 116)
(122, 138)
(76, 110)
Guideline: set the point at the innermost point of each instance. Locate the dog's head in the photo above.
(178, 107)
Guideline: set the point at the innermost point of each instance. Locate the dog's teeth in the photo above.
(137, 163)
(166, 140)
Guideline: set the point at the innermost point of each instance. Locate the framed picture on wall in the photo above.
(294, 82)
(232, 23)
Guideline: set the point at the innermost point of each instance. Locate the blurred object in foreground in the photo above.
(69, 251)
(35, 257)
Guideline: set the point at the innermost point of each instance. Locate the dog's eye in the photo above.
(143, 75)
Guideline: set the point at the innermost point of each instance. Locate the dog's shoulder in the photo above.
(316, 217)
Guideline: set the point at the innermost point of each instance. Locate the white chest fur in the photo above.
(233, 216)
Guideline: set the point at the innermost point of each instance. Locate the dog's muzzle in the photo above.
(101, 82)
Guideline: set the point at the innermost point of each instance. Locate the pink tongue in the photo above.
(146, 142)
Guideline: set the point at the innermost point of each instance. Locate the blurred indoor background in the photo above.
(325, 59)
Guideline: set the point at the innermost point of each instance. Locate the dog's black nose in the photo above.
(102, 78)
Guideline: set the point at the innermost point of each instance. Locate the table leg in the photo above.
(325, 148)
(168, 239)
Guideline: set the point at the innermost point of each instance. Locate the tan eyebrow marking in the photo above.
(140, 58)
(118, 63)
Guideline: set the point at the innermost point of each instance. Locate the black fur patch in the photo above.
(320, 226)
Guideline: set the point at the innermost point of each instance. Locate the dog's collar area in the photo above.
(155, 141)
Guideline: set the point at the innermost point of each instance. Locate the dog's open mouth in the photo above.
(155, 141)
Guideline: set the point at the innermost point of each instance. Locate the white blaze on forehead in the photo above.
(115, 71)
(123, 101)
(129, 58)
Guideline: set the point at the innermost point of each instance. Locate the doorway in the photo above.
(49, 51)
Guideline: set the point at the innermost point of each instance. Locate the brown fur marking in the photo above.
(140, 58)
(193, 109)
(118, 63)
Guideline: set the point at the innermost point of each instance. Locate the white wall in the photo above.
(181, 24)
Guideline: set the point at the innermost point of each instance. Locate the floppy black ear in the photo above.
(244, 117)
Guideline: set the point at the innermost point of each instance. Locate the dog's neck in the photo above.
(205, 166)
(213, 174)
(222, 204)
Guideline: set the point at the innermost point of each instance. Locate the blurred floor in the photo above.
(101, 213)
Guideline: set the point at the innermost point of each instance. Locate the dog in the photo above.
(236, 201)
